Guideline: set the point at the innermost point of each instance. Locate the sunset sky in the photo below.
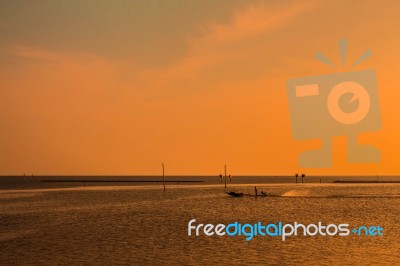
(118, 87)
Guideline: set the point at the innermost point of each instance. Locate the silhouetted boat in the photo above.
(239, 194)
(234, 194)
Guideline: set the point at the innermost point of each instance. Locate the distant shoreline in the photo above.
(121, 181)
(365, 181)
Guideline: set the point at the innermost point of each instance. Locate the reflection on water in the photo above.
(141, 224)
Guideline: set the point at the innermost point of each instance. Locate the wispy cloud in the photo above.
(74, 67)
(219, 43)
(45, 55)
(252, 21)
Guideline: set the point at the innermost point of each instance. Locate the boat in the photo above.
(239, 194)
(234, 194)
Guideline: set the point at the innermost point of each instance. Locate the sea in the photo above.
(110, 221)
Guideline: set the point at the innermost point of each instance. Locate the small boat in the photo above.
(234, 194)
(239, 194)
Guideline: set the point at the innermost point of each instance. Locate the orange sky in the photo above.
(115, 87)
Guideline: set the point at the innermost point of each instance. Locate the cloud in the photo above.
(62, 58)
(79, 69)
(222, 43)
(34, 53)
(252, 21)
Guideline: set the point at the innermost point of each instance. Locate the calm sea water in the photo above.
(140, 224)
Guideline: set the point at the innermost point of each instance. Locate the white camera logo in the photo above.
(344, 103)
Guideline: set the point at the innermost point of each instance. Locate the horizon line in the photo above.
(192, 175)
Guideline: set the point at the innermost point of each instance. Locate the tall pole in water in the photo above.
(163, 175)
(225, 175)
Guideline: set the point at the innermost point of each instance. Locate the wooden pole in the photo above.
(225, 175)
(163, 175)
